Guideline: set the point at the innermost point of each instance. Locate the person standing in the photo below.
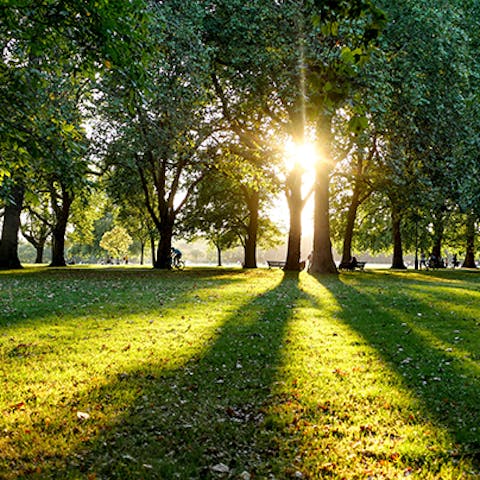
(423, 260)
(454, 261)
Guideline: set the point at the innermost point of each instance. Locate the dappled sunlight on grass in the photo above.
(194, 416)
(108, 358)
(345, 412)
(434, 277)
(63, 337)
(423, 345)
(142, 374)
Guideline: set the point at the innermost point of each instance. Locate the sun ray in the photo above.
(301, 155)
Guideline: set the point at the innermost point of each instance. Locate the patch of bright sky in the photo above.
(305, 156)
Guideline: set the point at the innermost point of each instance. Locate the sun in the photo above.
(303, 155)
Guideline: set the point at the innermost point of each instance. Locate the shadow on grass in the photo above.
(446, 384)
(41, 293)
(89, 271)
(199, 420)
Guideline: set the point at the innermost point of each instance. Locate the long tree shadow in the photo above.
(84, 290)
(446, 384)
(54, 319)
(202, 419)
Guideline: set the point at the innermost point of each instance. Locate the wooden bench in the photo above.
(359, 266)
(275, 263)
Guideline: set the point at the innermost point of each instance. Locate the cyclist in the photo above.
(176, 256)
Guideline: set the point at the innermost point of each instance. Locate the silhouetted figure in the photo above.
(176, 256)
(455, 262)
(353, 263)
(423, 260)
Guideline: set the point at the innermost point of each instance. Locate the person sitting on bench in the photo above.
(353, 263)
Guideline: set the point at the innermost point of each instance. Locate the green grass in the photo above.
(125, 373)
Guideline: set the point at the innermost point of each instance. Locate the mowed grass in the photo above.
(125, 373)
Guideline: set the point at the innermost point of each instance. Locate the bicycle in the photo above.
(177, 263)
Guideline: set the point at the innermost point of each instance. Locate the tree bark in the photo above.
(295, 207)
(62, 213)
(58, 245)
(142, 252)
(294, 192)
(39, 253)
(397, 261)
(322, 257)
(164, 249)
(152, 248)
(469, 261)
(11, 226)
(219, 256)
(348, 237)
(253, 202)
(438, 227)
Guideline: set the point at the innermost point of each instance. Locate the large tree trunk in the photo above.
(469, 261)
(253, 202)
(295, 207)
(11, 226)
(294, 193)
(438, 230)
(58, 245)
(397, 261)
(164, 249)
(37, 243)
(152, 249)
(322, 257)
(351, 216)
(62, 213)
(39, 252)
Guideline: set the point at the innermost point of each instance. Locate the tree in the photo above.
(220, 211)
(292, 64)
(217, 211)
(48, 54)
(423, 82)
(160, 121)
(116, 242)
(247, 150)
(14, 191)
(126, 192)
(35, 230)
(354, 185)
(83, 246)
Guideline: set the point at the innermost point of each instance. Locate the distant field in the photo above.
(130, 373)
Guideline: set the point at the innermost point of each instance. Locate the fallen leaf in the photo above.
(83, 415)
(220, 468)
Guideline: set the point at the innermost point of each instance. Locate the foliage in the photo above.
(85, 212)
(116, 242)
(91, 252)
(175, 89)
(51, 50)
(159, 120)
(218, 211)
(415, 89)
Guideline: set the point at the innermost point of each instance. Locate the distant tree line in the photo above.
(170, 119)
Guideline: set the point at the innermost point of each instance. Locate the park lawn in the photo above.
(127, 373)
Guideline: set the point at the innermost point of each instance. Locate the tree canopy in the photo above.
(181, 113)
